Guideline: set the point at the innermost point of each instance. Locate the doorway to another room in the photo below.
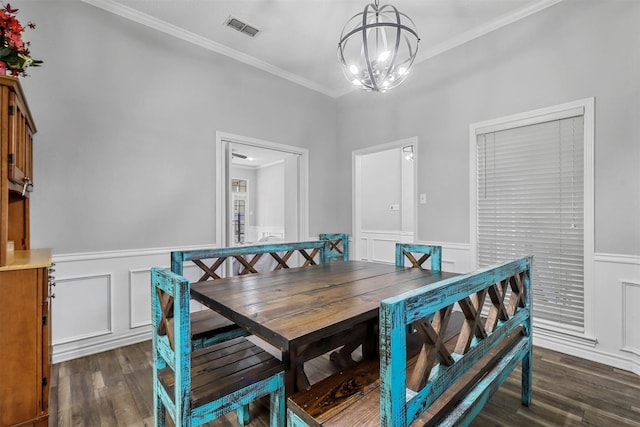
(384, 199)
(262, 191)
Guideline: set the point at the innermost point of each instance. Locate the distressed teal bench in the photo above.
(208, 327)
(450, 379)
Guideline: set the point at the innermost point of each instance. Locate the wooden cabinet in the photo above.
(25, 339)
(16, 166)
(25, 324)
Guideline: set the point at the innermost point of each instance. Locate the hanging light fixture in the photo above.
(377, 47)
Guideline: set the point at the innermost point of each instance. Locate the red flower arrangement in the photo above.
(14, 52)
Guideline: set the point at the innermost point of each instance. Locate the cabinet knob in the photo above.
(27, 185)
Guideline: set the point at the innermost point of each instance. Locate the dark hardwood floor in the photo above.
(114, 389)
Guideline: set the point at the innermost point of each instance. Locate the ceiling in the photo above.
(254, 157)
(298, 39)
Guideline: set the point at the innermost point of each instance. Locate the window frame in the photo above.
(587, 108)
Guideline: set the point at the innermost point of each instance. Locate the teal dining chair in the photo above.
(409, 250)
(338, 245)
(196, 387)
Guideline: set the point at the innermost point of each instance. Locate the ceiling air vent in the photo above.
(243, 27)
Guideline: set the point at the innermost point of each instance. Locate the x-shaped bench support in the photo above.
(249, 264)
(433, 349)
(165, 327)
(416, 263)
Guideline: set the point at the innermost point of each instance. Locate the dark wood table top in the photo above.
(293, 307)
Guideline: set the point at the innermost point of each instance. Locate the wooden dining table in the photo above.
(307, 312)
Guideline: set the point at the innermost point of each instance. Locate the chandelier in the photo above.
(377, 47)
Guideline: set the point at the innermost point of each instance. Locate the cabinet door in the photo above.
(20, 346)
(43, 279)
(20, 147)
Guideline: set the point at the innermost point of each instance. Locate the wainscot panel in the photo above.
(102, 300)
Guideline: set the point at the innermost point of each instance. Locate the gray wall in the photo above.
(126, 119)
(570, 51)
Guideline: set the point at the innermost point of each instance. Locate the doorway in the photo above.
(261, 191)
(384, 199)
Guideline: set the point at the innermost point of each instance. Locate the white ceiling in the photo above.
(298, 38)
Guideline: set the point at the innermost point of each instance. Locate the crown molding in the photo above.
(487, 28)
(190, 37)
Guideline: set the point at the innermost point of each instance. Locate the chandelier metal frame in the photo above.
(379, 26)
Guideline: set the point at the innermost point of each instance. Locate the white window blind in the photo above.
(530, 198)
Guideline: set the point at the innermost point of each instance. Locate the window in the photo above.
(530, 200)
(239, 197)
(239, 185)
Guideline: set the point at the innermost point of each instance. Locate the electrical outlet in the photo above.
(423, 199)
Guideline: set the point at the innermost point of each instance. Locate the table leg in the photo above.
(290, 372)
(371, 345)
(302, 382)
(368, 338)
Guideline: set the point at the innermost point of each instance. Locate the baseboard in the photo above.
(86, 349)
(591, 354)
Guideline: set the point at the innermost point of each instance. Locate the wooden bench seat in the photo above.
(221, 369)
(205, 321)
(459, 365)
(352, 397)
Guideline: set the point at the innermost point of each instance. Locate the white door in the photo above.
(384, 188)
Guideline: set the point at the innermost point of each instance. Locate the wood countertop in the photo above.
(34, 258)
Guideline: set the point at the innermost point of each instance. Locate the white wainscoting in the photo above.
(380, 246)
(103, 300)
(631, 317)
(615, 316)
(96, 295)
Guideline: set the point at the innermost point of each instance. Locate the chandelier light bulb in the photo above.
(378, 46)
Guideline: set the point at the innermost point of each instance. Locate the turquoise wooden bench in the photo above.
(208, 327)
(338, 245)
(408, 250)
(449, 380)
(196, 387)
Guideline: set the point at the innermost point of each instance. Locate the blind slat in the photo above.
(530, 202)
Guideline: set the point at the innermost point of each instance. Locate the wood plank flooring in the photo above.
(114, 389)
